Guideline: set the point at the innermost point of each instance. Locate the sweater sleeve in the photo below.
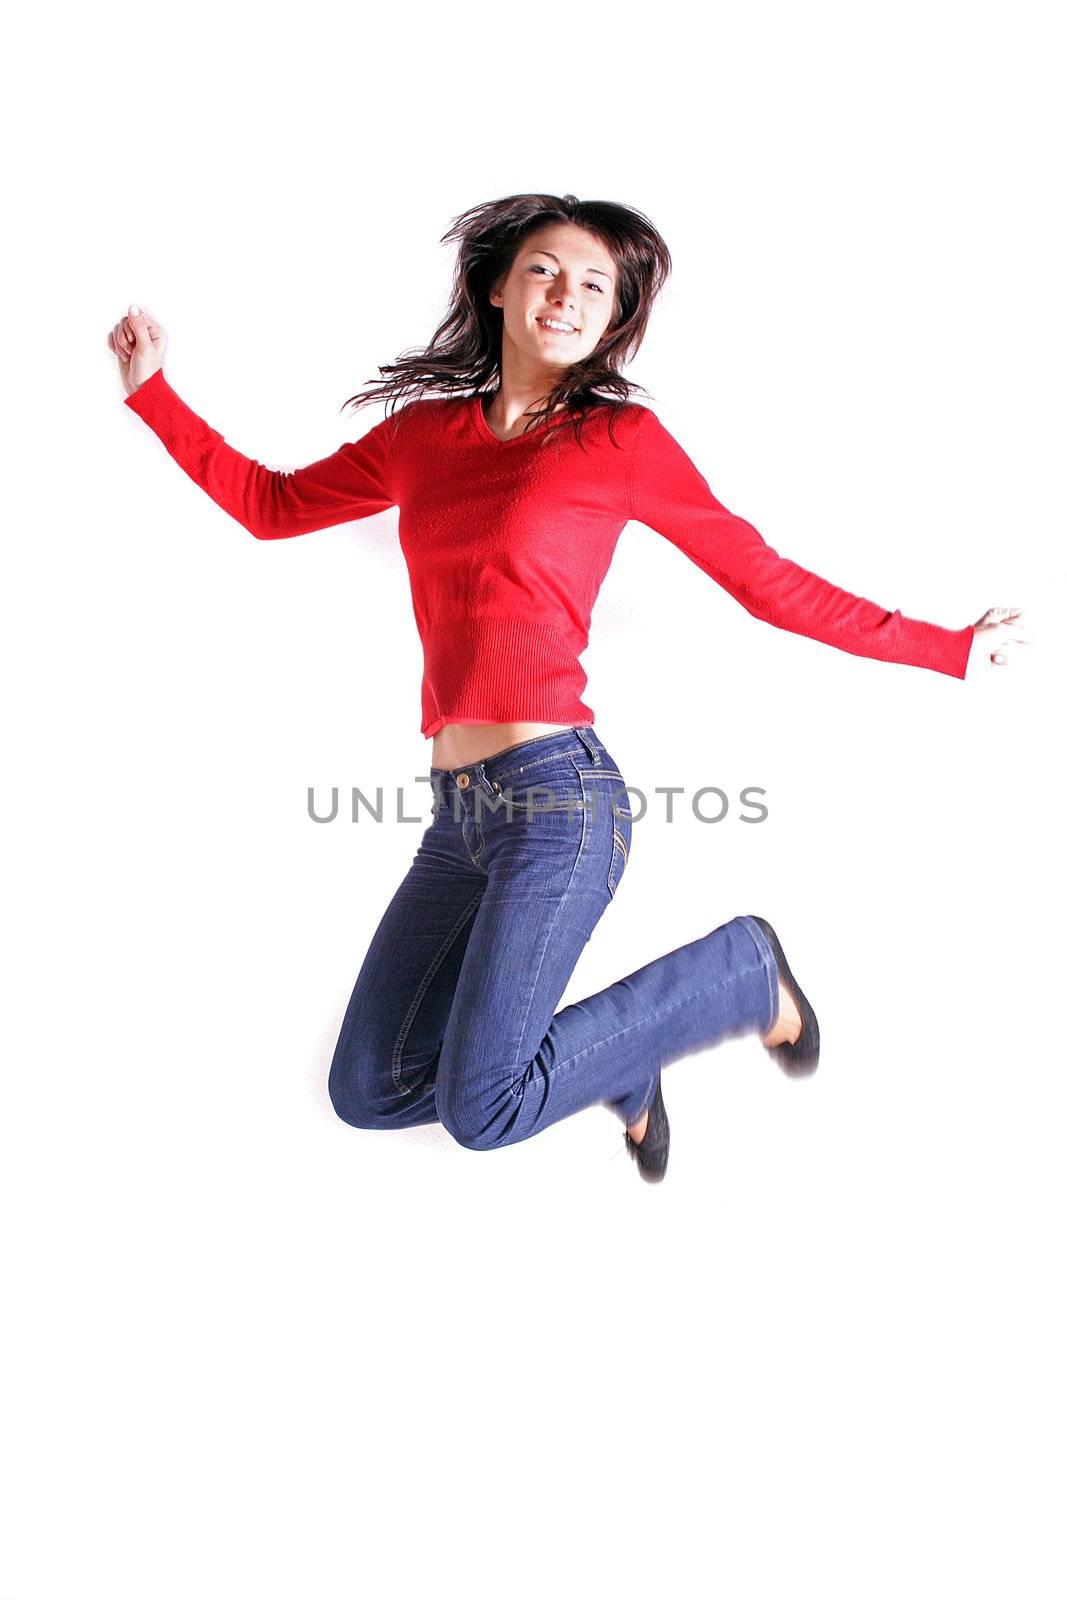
(351, 483)
(669, 495)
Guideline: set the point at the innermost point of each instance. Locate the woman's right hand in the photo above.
(139, 344)
(996, 634)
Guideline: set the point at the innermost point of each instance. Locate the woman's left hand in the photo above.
(997, 633)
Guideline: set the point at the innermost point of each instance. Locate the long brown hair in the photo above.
(464, 354)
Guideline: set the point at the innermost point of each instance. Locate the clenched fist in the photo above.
(139, 343)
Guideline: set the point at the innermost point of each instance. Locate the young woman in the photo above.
(515, 466)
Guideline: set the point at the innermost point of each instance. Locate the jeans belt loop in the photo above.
(482, 777)
(590, 746)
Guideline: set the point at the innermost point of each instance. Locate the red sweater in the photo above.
(507, 542)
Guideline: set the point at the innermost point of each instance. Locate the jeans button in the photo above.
(463, 781)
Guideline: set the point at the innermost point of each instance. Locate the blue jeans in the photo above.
(453, 1017)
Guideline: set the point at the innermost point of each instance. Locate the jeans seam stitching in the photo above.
(420, 993)
(732, 977)
(613, 881)
(560, 756)
(515, 1086)
(770, 964)
(528, 766)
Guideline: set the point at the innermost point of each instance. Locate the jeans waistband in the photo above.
(544, 744)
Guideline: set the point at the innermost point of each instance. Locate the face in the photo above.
(560, 274)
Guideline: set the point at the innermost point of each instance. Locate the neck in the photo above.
(510, 414)
(524, 387)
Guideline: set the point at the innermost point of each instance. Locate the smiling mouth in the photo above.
(564, 333)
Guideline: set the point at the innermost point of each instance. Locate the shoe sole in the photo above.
(801, 1059)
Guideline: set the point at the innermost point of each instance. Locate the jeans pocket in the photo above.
(551, 789)
(619, 856)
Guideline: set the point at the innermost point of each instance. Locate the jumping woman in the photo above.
(516, 461)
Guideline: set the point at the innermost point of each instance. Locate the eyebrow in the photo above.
(556, 260)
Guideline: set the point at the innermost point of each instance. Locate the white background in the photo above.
(250, 1351)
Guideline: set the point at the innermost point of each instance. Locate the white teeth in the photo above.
(559, 327)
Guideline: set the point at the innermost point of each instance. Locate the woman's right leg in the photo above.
(384, 1069)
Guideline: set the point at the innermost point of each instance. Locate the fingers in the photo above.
(122, 339)
(1012, 615)
(118, 344)
(1005, 648)
(119, 341)
(1009, 630)
(1005, 622)
(151, 325)
(998, 614)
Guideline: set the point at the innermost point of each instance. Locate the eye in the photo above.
(539, 268)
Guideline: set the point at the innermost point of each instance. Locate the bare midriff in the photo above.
(459, 743)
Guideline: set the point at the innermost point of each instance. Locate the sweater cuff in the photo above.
(153, 399)
(960, 654)
(940, 649)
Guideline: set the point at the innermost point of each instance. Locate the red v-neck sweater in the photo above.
(507, 542)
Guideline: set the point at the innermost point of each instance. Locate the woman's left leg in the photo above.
(510, 1063)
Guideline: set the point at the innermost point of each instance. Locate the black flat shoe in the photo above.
(651, 1154)
(800, 1059)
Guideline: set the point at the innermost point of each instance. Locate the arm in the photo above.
(670, 495)
(354, 482)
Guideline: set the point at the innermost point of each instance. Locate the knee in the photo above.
(342, 1100)
(350, 1104)
(465, 1122)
